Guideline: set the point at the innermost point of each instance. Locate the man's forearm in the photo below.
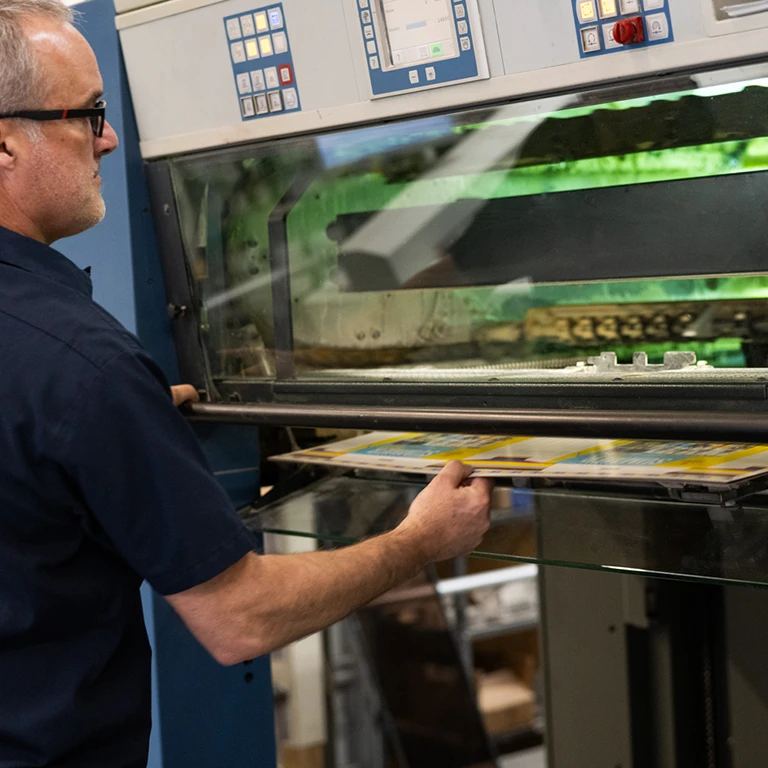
(264, 602)
(291, 596)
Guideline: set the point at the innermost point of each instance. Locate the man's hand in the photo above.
(451, 515)
(184, 393)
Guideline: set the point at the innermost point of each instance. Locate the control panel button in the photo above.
(290, 98)
(430, 73)
(608, 9)
(275, 101)
(246, 22)
(374, 62)
(586, 11)
(363, 3)
(366, 17)
(271, 78)
(275, 18)
(238, 52)
(257, 80)
(265, 44)
(280, 42)
(368, 32)
(629, 6)
(233, 29)
(629, 31)
(464, 43)
(371, 46)
(590, 39)
(436, 49)
(423, 52)
(608, 40)
(653, 5)
(285, 74)
(244, 83)
(252, 48)
(413, 76)
(657, 26)
(246, 107)
(262, 106)
(460, 11)
(262, 25)
(463, 28)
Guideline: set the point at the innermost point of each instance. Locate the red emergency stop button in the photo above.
(629, 31)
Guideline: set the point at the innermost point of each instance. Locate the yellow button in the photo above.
(262, 25)
(587, 9)
(607, 8)
(251, 49)
(265, 43)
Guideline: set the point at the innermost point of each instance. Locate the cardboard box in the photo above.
(505, 703)
(303, 757)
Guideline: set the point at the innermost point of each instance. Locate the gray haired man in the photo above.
(102, 483)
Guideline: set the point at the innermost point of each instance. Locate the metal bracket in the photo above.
(722, 497)
(607, 362)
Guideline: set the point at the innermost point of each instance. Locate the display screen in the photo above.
(419, 30)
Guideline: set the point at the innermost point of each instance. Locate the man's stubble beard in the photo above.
(92, 213)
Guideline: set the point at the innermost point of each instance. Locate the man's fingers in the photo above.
(184, 393)
(455, 473)
(483, 486)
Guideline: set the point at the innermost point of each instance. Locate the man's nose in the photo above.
(107, 142)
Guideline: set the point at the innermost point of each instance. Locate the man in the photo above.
(102, 484)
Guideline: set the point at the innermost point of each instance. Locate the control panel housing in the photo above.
(355, 62)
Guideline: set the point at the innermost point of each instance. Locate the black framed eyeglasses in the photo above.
(96, 115)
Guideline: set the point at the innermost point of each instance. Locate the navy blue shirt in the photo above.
(102, 485)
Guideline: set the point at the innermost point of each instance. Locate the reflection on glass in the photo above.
(414, 657)
(634, 531)
(484, 243)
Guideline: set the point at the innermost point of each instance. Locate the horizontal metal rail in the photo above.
(653, 425)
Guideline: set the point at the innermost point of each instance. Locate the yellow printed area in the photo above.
(391, 440)
(508, 464)
(327, 452)
(465, 453)
(710, 462)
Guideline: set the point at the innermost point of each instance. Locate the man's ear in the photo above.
(8, 147)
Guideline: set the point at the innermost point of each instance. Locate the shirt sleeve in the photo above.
(144, 479)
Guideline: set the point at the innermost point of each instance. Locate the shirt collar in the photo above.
(40, 259)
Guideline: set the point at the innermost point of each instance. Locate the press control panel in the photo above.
(414, 45)
(204, 72)
(262, 62)
(608, 26)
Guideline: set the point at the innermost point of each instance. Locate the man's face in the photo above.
(54, 182)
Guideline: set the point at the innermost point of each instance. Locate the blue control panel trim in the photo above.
(262, 62)
(429, 72)
(603, 26)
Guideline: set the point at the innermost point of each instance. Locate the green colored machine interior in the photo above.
(225, 203)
